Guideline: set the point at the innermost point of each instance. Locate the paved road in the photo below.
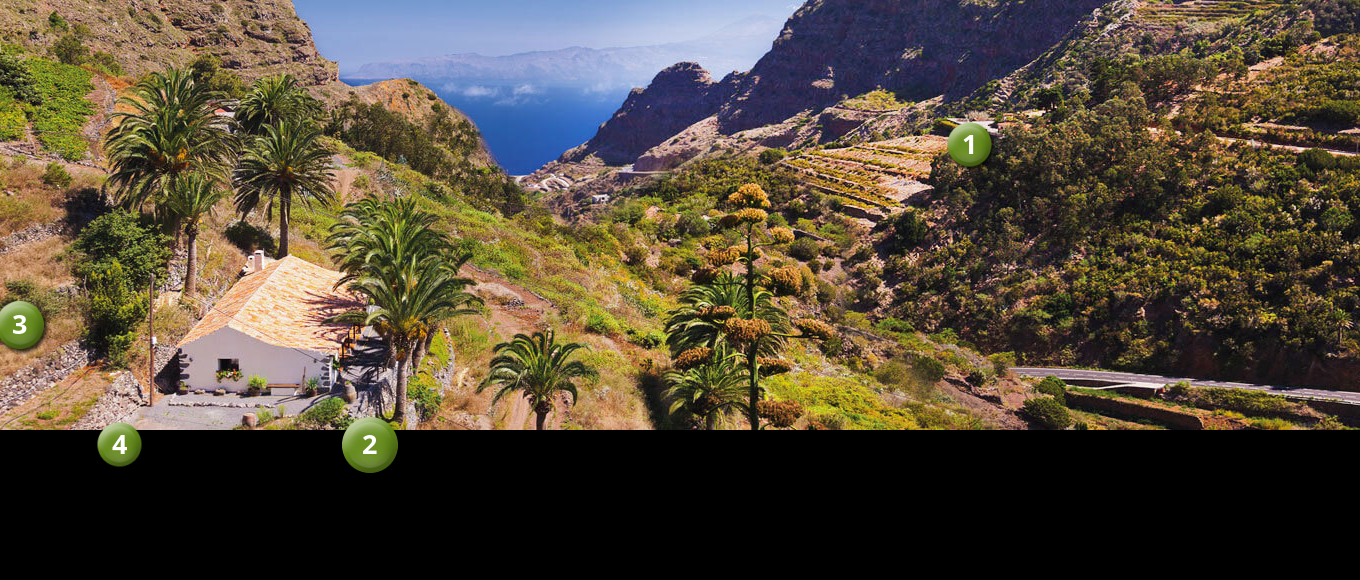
(1133, 378)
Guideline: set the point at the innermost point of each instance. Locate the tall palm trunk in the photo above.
(711, 421)
(190, 273)
(285, 208)
(399, 414)
(542, 409)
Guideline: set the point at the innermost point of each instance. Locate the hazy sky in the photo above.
(356, 32)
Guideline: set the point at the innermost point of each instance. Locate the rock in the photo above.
(831, 50)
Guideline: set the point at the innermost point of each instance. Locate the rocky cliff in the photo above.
(678, 97)
(255, 38)
(834, 49)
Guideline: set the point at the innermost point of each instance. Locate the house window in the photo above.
(228, 365)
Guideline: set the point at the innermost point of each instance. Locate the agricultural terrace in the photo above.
(878, 175)
(1173, 13)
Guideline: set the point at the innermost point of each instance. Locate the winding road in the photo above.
(1117, 378)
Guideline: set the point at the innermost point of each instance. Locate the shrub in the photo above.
(115, 312)
(928, 369)
(57, 176)
(250, 238)
(978, 378)
(120, 236)
(17, 78)
(330, 412)
(652, 340)
(1048, 413)
(772, 156)
(70, 50)
(805, 249)
(601, 323)
(909, 230)
(1002, 362)
(1054, 387)
(893, 373)
(424, 394)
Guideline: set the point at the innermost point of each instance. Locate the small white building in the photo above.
(599, 199)
(271, 324)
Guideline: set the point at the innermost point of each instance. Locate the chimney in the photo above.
(257, 262)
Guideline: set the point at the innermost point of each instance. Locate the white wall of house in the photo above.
(278, 365)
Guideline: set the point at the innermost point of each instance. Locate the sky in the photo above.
(355, 32)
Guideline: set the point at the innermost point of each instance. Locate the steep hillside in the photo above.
(231, 44)
(255, 38)
(832, 50)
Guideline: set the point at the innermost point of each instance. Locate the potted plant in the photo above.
(231, 375)
(256, 386)
(183, 388)
(313, 385)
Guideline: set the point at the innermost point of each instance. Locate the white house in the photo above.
(271, 324)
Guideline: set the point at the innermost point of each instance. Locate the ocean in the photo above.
(526, 127)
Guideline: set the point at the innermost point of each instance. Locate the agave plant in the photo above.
(539, 368)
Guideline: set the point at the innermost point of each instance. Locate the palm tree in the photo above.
(273, 100)
(285, 164)
(390, 253)
(171, 131)
(539, 368)
(408, 314)
(705, 308)
(191, 198)
(708, 389)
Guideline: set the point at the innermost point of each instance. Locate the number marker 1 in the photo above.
(970, 144)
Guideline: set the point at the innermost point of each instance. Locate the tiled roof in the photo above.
(285, 305)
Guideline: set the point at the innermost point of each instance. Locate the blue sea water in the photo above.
(526, 128)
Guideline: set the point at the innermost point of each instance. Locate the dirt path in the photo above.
(514, 310)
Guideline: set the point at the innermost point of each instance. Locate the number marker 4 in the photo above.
(121, 445)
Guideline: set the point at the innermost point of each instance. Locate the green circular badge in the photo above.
(21, 325)
(370, 445)
(120, 444)
(970, 144)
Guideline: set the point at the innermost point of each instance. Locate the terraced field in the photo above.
(1172, 13)
(877, 175)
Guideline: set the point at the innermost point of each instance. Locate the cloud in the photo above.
(480, 92)
(526, 89)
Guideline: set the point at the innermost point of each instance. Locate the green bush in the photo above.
(69, 50)
(928, 369)
(601, 323)
(424, 393)
(805, 249)
(57, 176)
(1048, 413)
(116, 310)
(772, 156)
(330, 412)
(893, 373)
(1054, 387)
(121, 236)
